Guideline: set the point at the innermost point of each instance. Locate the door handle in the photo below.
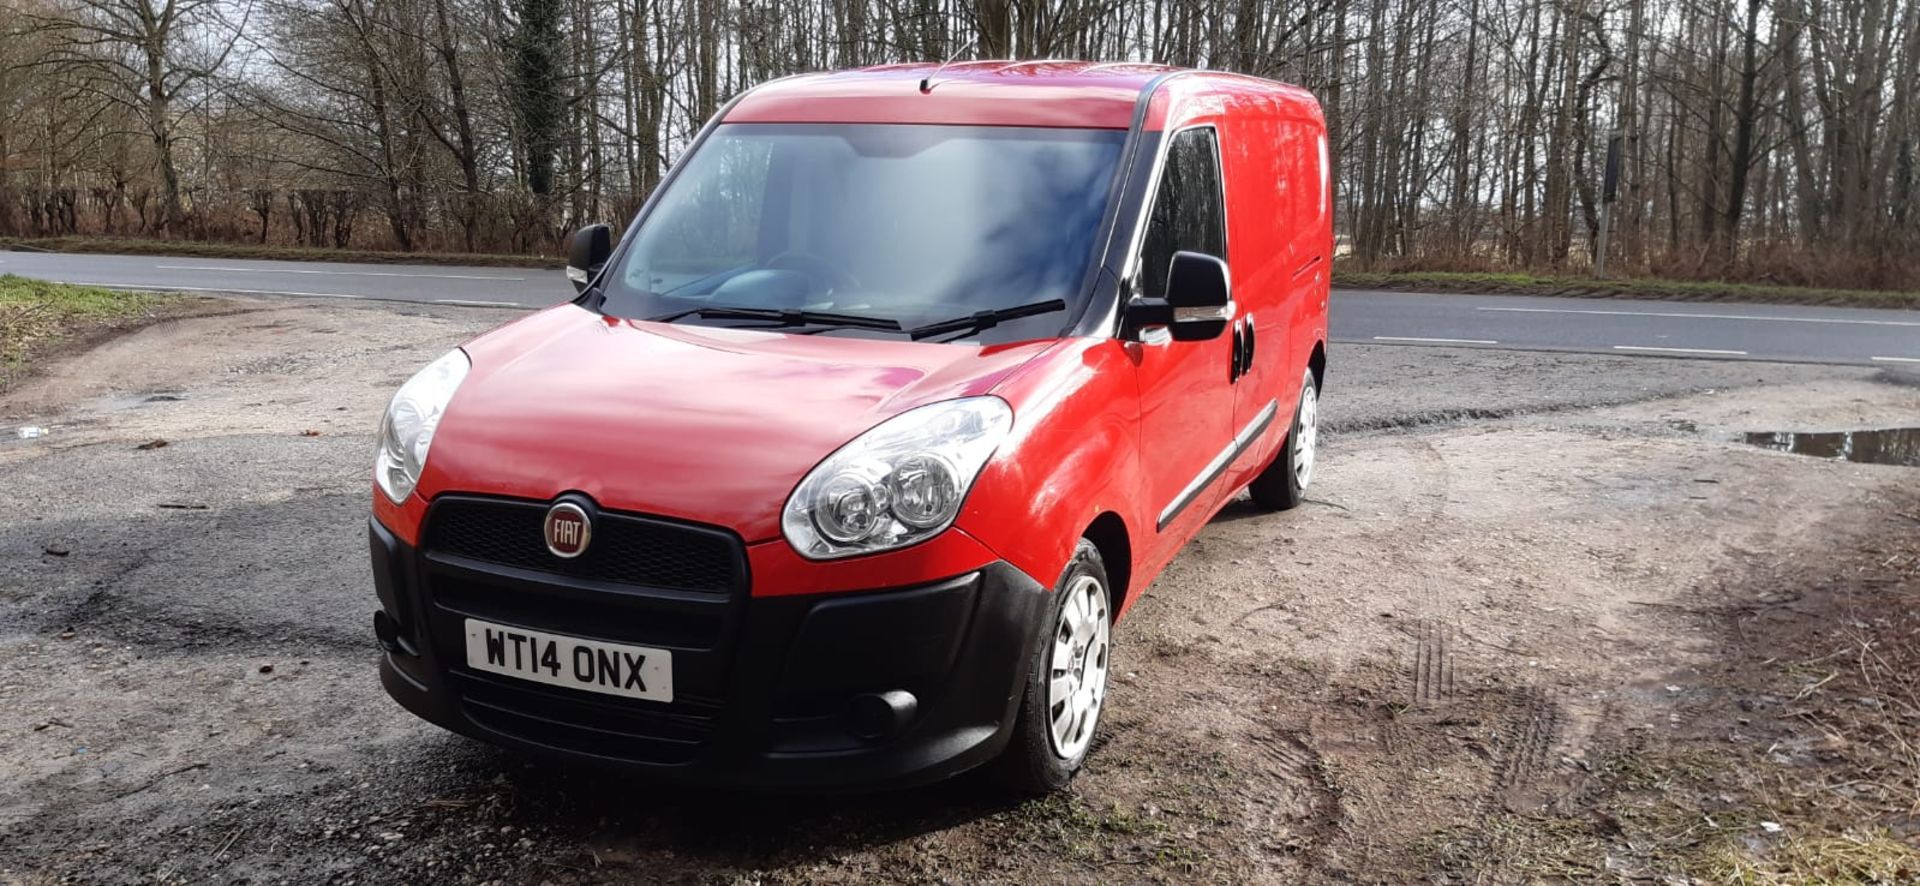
(1233, 359)
(1241, 361)
(1246, 360)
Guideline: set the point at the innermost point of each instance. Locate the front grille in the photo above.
(624, 549)
(642, 581)
(578, 612)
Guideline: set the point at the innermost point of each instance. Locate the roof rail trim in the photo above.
(1026, 62)
(1142, 66)
(1145, 100)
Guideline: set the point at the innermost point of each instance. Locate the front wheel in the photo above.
(1283, 485)
(1066, 681)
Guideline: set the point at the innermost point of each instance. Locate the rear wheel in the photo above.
(1066, 681)
(1283, 485)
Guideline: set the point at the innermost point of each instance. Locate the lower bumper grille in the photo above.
(576, 722)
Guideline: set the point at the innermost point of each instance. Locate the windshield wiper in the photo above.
(782, 317)
(983, 320)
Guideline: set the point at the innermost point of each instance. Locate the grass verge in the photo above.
(1586, 287)
(135, 246)
(36, 317)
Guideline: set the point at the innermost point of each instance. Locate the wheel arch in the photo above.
(1108, 532)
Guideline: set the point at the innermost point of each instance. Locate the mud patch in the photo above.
(1790, 758)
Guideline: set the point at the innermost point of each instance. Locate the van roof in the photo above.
(987, 93)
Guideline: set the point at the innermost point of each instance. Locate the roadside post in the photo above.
(1609, 191)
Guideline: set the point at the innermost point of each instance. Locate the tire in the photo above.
(1041, 759)
(1283, 485)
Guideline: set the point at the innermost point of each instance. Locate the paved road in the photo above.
(1609, 326)
(1624, 326)
(490, 287)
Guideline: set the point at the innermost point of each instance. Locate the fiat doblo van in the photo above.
(895, 396)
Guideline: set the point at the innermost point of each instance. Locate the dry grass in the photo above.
(1873, 856)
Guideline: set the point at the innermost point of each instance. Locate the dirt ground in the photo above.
(1544, 619)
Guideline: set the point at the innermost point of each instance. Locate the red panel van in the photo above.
(898, 392)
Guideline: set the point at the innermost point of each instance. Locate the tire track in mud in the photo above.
(1432, 667)
(1296, 805)
(1436, 488)
(1430, 687)
(1525, 753)
(1521, 766)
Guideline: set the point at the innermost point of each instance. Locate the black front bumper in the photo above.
(769, 692)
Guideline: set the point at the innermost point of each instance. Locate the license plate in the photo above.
(556, 660)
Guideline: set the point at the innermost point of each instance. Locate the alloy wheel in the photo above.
(1306, 437)
(1077, 668)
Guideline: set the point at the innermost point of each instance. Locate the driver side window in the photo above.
(1187, 215)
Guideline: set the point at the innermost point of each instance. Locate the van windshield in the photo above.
(914, 224)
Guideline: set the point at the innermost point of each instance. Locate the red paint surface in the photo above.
(718, 426)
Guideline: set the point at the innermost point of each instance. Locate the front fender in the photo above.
(1074, 453)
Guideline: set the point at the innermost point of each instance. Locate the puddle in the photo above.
(125, 402)
(1887, 446)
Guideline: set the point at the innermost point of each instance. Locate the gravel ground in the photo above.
(1513, 582)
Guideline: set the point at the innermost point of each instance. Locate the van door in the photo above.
(1277, 223)
(1186, 399)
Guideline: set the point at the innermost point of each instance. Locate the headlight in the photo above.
(407, 430)
(899, 483)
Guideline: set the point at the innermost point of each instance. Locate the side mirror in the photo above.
(591, 248)
(1199, 301)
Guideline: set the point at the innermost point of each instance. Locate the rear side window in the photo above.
(1187, 215)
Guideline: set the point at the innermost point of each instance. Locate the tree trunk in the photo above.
(1746, 118)
(160, 125)
(467, 154)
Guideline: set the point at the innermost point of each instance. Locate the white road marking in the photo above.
(1437, 341)
(1679, 350)
(1897, 359)
(1835, 320)
(471, 303)
(335, 273)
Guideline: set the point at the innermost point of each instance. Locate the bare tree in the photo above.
(152, 57)
(1771, 138)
